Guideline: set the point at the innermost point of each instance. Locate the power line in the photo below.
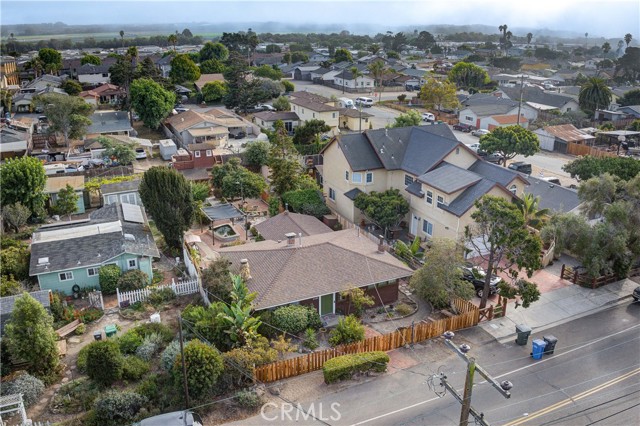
(614, 414)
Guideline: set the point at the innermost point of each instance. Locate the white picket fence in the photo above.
(180, 288)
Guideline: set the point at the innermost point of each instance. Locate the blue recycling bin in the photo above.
(538, 348)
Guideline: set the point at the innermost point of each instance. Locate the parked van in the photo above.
(346, 103)
(366, 102)
(520, 166)
(552, 180)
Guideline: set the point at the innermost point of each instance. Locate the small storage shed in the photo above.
(167, 149)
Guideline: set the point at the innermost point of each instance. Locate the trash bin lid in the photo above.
(521, 328)
(539, 342)
(550, 339)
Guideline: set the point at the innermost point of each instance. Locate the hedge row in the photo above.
(343, 367)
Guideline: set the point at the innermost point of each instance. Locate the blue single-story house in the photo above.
(55, 183)
(67, 254)
(121, 192)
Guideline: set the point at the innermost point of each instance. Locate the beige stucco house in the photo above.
(309, 106)
(438, 175)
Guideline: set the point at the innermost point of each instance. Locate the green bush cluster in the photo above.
(150, 345)
(344, 367)
(348, 330)
(296, 318)
(30, 387)
(134, 368)
(117, 408)
(248, 399)
(203, 364)
(134, 279)
(168, 357)
(129, 342)
(108, 278)
(144, 330)
(159, 296)
(104, 362)
(75, 396)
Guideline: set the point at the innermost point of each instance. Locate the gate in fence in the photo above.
(180, 288)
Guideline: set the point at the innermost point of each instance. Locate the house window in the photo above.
(441, 200)
(332, 194)
(132, 263)
(209, 153)
(356, 178)
(92, 272)
(408, 180)
(128, 198)
(314, 115)
(429, 198)
(427, 228)
(112, 199)
(513, 189)
(197, 154)
(65, 276)
(346, 175)
(303, 110)
(457, 151)
(369, 178)
(467, 118)
(105, 74)
(333, 115)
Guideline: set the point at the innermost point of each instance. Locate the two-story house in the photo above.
(69, 254)
(309, 106)
(94, 74)
(439, 176)
(212, 126)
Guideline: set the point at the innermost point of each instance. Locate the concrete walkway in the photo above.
(557, 306)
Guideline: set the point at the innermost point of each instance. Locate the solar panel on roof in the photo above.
(132, 213)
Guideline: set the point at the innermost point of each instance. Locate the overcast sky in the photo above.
(609, 18)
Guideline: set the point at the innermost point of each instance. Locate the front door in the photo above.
(414, 224)
(326, 304)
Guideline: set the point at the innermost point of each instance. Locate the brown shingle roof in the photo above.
(279, 115)
(208, 78)
(55, 184)
(310, 96)
(324, 264)
(354, 113)
(509, 119)
(277, 226)
(313, 105)
(190, 118)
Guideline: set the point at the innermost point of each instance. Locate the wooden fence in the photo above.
(578, 149)
(468, 316)
(180, 288)
(571, 274)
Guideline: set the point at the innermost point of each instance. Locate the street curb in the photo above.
(608, 305)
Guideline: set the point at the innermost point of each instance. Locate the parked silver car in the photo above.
(176, 418)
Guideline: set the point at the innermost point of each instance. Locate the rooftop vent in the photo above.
(291, 239)
(129, 237)
(43, 261)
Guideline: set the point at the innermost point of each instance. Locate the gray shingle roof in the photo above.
(496, 173)
(84, 249)
(449, 178)
(353, 193)
(109, 122)
(538, 96)
(93, 69)
(276, 115)
(358, 152)
(465, 201)
(115, 188)
(495, 108)
(553, 197)
(415, 189)
(277, 226)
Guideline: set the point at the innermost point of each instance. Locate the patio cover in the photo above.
(222, 212)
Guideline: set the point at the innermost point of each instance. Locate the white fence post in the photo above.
(179, 289)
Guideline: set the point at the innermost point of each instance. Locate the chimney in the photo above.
(300, 238)
(245, 272)
(291, 239)
(380, 244)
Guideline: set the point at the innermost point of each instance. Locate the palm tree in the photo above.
(594, 94)
(122, 38)
(377, 70)
(36, 65)
(529, 207)
(586, 39)
(173, 39)
(355, 72)
(606, 47)
(503, 39)
(627, 38)
(529, 37)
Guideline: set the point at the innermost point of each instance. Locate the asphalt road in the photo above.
(592, 378)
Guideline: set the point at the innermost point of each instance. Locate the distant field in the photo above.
(104, 36)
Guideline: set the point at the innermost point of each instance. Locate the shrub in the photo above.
(149, 388)
(310, 339)
(129, 342)
(348, 330)
(15, 261)
(150, 345)
(30, 387)
(9, 286)
(256, 353)
(108, 278)
(248, 399)
(343, 367)
(403, 309)
(203, 364)
(81, 330)
(116, 408)
(147, 329)
(134, 368)
(160, 296)
(168, 357)
(296, 318)
(89, 315)
(81, 362)
(313, 317)
(104, 362)
(75, 396)
(132, 280)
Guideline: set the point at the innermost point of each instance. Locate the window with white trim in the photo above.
(209, 153)
(112, 199)
(427, 228)
(128, 198)
(333, 115)
(346, 175)
(197, 154)
(132, 263)
(408, 180)
(429, 197)
(332, 194)
(356, 177)
(467, 118)
(93, 272)
(513, 189)
(369, 178)
(65, 276)
(441, 200)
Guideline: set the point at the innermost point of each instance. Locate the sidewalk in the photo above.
(557, 306)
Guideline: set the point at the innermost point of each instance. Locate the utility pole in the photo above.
(472, 367)
(184, 367)
(521, 91)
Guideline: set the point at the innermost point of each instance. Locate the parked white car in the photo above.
(141, 154)
(474, 147)
(480, 132)
(427, 116)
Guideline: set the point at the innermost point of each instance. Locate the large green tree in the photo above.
(72, 87)
(510, 141)
(438, 94)
(236, 181)
(215, 51)
(439, 280)
(203, 366)
(212, 66)
(51, 59)
(166, 195)
(183, 69)
(586, 167)
(214, 91)
(342, 55)
(67, 114)
(411, 118)
(151, 101)
(31, 338)
(468, 76)
(594, 94)
(628, 65)
(90, 59)
(386, 209)
(23, 181)
(67, 201)
(243, 92)
(310, 131)
(121, 152)
(500, 238)
(632, 97)
(282, 161)
(257, 154)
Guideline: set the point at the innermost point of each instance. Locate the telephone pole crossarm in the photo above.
(478, 416)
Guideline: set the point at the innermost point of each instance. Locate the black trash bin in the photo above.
(524, 332)
(551, 344)
(97, 335)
